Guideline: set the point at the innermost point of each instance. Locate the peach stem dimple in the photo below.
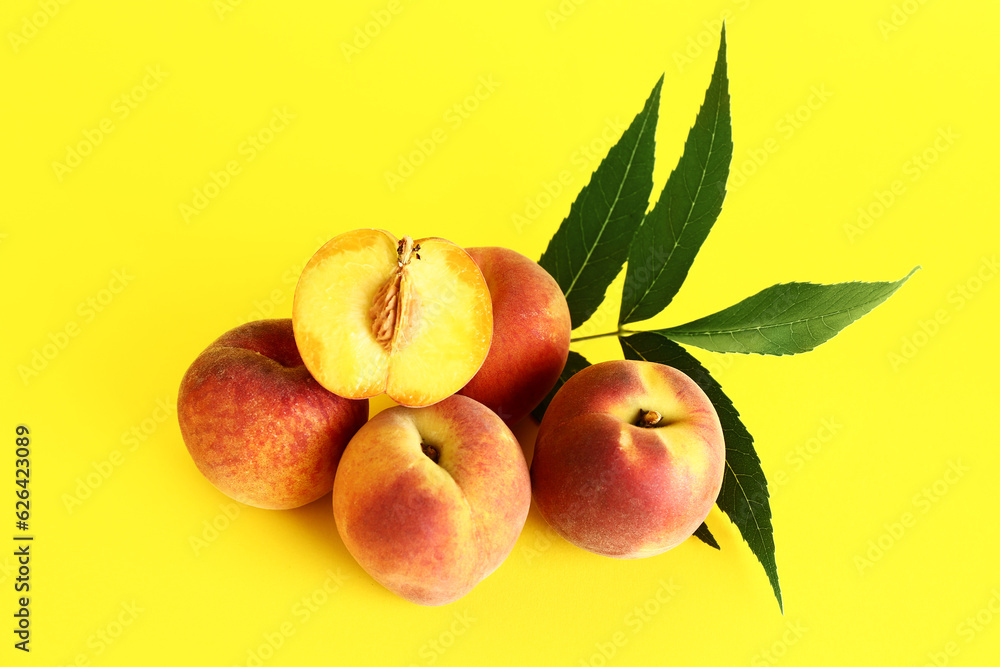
(430, 451)
(405, 249)
(648, 418)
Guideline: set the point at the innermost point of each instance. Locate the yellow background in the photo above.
(853, 434)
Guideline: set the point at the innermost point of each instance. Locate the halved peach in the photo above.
(375, 314)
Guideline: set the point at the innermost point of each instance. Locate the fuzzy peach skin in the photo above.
(531, 332)
(619, 489)
(430, 531)
(257, 424)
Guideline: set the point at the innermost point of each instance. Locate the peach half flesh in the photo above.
(373, 314)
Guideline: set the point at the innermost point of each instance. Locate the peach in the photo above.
(374, 314)
(431, 500)
(531, 332)
(257, 425)
(629, 459)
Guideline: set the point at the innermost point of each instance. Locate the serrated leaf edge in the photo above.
(679, 329)
(628, 168)
(694, 199)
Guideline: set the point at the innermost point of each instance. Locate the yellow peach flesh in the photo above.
(426, 348)
(452, 331)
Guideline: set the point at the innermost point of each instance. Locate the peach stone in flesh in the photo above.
(374, 314)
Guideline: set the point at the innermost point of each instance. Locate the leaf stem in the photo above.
(603, 335)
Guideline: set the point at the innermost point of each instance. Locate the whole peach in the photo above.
(629, 459)
(257, 424)
(531, 332)
(431, 500)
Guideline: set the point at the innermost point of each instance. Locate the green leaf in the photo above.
(744, 496)
(591, 245)
(784, 319)
(575, 363)
(705, 535)
(672, 233)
